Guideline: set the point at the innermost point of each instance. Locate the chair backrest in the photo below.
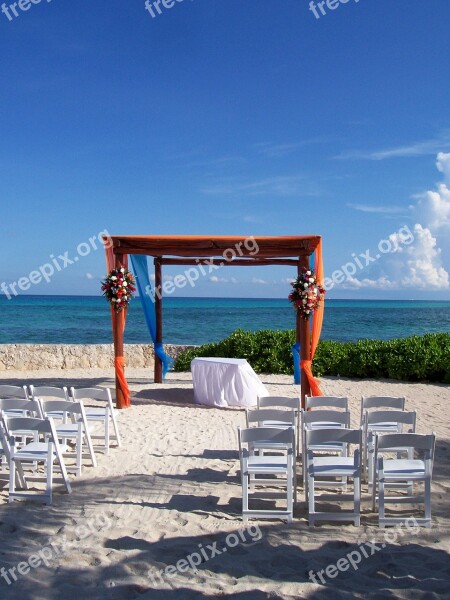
(418, 441)
(260, 416)
(64, 406)
(369, 402)
(401, 417)
(29, 424)
(272, 434)
(103, 394)
(31, 406)
(14, 391)
(4, 442)
(340, 402)
(335, 434)
(325, 416)
(49, 392)
(278, 402)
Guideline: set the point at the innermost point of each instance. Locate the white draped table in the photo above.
(225, 382)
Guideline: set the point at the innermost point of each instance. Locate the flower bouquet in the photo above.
(306, 294)
(118, 288)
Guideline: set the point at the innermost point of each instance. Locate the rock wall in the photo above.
(24, 357)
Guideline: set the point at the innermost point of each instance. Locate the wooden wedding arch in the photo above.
(295, 251)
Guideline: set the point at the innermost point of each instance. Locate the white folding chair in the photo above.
(104, 413)
(50, 393)
(5, 455)
(253, 466)
(16, 407)
(394, 473)
(14, 391)
(381, 402)
(46, 450)
(323, 419)
(344, 467)
(380, 421)
(334, 402)
(74, 427)
(284, 402)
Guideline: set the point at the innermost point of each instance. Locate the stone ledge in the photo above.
(23, 357)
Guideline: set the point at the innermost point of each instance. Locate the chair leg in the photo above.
(107, 434)
(357, 494)
(311, 507)
(79, 450)
(12, 480)
(49, 465)
(88, 441)
(428, 501)
(381, 511)
(244, 476)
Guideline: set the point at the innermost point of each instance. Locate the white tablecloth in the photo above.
(225, 382)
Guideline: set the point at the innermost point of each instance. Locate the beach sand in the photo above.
(173, 490)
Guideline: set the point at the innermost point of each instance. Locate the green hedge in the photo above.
(417, 358)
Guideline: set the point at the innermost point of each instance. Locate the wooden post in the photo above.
(118, 320)
(304, 337)
(158, 312)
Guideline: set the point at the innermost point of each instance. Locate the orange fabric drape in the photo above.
(119, 365)
(119, 361)
(317, 321)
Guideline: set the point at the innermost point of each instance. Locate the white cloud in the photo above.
(388, 210)
(215, 279)
(424, 263)
(259, 281)
(282, 185)
(89, 276)
(420, 148)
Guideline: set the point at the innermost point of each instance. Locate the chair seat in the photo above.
(386, 426)
(36, 451)
(95, 413)
(327, 447)
(332, 465)
(324, 425)
(403, 468)
(68, 430)
(266, 464)
(276, 424)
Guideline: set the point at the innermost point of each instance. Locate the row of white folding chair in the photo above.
(341, 466)
(44, 448)
(370, 403)
(283, 403)
(281, 464)
(273, 418)
(71, 423)
(383, 421)
(394, 473)
(316, 420)
(104, 414)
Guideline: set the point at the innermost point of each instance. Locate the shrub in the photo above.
(417, 358)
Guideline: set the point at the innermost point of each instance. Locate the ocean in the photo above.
(86, 320)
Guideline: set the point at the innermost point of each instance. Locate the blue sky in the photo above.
(229, 117)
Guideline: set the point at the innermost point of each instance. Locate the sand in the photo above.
(172, 495)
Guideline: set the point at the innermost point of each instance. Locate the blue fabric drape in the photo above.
(296, 357)
(141, 271)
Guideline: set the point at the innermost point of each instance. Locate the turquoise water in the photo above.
(84, 320)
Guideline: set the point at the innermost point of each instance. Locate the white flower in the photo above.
(124, 297)
(113, 278)
(304, 301)
(122, 270)
(124, 284)
(113, 299)
(312, 279)
(308, 272)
